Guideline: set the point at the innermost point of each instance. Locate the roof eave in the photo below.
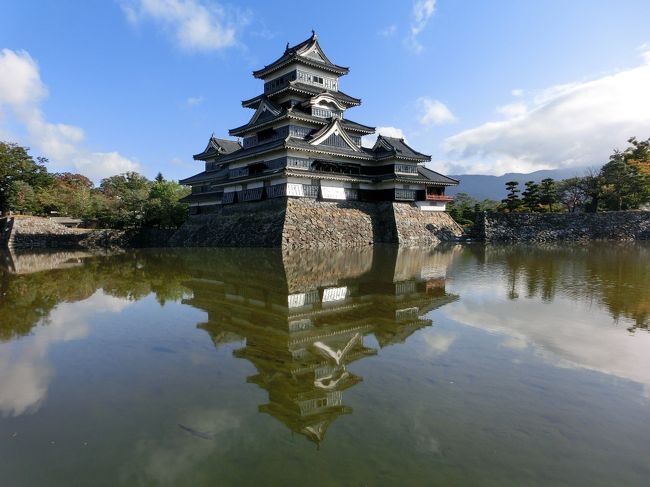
(295, 58)
(202, 156)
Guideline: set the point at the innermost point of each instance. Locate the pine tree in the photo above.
(530, 196)
(512, 201)
(548, 193)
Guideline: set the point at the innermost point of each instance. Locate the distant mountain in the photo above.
(494, 187)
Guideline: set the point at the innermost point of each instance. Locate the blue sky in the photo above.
(101, 87)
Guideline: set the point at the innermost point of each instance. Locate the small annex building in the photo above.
(299, 143)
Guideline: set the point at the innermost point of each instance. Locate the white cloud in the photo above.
(196, 25)
(389, 31)
(423, 10)
(433, 112)
(21, 94)
(517, 92)
(512, 110)
(170, 458)
(570, 125)
(570, 333)
(438, 344)
(193, 101)
(369, 140)
(25, 371)
(644, 51)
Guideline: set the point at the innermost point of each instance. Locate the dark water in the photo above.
(461, 366)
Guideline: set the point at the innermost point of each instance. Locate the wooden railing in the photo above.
(439, 197)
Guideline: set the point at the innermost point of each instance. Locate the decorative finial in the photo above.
(313, 33)
(287, 48)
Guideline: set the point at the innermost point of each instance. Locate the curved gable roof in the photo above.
(307, 52)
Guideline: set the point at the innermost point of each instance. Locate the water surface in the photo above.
(475, 365)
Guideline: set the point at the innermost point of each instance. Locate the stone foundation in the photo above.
(294, 223)
(253, 224)
(328, 224)
(419, 228)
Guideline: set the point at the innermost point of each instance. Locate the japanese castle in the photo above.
(299, 143)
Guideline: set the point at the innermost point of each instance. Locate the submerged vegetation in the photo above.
(122, 201)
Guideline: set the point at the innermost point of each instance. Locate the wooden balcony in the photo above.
(439, 197)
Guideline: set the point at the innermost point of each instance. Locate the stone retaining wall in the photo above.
(295, 223)
(547, 227)
(252, 224)
(42, 233)
(329, 224)
(38, 233)
(423, 228)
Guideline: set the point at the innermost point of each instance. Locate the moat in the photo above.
(461, 365)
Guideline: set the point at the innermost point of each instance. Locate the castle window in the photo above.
(265, 135)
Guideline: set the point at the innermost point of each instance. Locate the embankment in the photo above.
(294, 223)
(549, 227)
(22, 232)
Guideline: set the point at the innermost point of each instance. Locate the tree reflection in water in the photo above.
(615, 275)
(303, 316)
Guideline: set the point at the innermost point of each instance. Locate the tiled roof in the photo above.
(218, 146)
(315, 90)
(301, 144)
(393, 147)
(193, 198)
(242, 129)
(204, 176)
(354, 126)
(299, 115)
(436, 176)
(303, 88)
(228, 146)
(295, 54)
(258, 149)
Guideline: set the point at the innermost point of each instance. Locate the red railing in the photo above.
(439, 197)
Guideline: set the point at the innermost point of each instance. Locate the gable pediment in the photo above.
(265, 111)
(334, 134)
(325, 98)
(314, 53)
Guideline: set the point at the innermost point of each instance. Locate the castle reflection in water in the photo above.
(302, 317)
(304, 320)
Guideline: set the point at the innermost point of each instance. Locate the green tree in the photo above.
(530, 196)
(17, 165)
(71, 195)
(638, 154)
(126, 198)
(573, 193)
(22, 197)
(459, 208)
(592, 183)
(623, 187)
(465, 209)
(512, 201)
(163, 208)
(548, 193)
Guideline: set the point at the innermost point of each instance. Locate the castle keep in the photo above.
(300, 154)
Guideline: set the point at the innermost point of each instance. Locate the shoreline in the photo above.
(34, 233)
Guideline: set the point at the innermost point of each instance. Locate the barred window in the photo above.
(406, 168)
